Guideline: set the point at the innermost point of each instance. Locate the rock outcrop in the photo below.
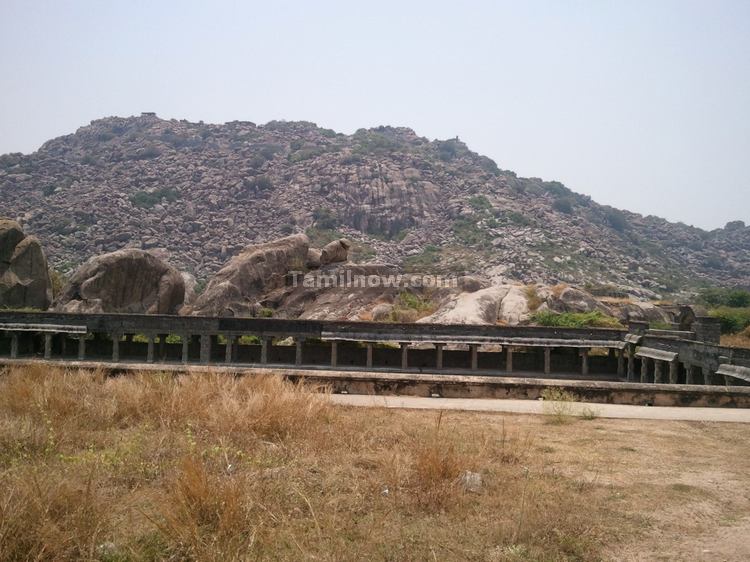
(24, 275)
(131, 281)
(321, 295)
(236, 289)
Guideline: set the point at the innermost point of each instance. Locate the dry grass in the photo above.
(151, 467)
(533, 299)
(741, 339)
(558, 289)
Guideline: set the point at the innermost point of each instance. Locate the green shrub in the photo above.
(616, 219)
(733, 320)
(306, 153)
(595, 319)
(147, 199)
(410, 307)
(257, 184)
(468, 231)
(424, 261)
(563, 205)
(480, 203)
(719, 296)
(325, 219)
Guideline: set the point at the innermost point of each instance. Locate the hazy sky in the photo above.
(642, 105)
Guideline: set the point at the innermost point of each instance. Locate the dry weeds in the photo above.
(152, 467)
(741, 339)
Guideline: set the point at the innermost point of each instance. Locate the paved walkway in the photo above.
(739, 415)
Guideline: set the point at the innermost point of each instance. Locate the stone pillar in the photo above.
(673, 372)
(631, 363)
(509, 360)
(229, 349)
(706, 375)
(620, 362)
(658, 371)
(547, 360)
(369, 354)
(584, 361)
(185, 347)
(298, 342)
(162, 346)
(439, 355)
(150, 353)
(334, 353)
(404, 355)
(644, 369)
(82, 347)
(115, 347)
(264, 344)
(47, 345)
(688, 373)
(205, 356)
(13, 345)
(474, 359)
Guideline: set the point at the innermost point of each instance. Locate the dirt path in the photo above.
(616, 411)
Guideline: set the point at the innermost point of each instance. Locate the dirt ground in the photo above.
(688, 482)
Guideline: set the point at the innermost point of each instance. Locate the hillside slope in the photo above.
(202, 192)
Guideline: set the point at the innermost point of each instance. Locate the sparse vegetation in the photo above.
(423, 262)
(147, 199)
(257, 184)
(214, 467)
(325, 219)
(741, 339)
(616, 219)
(563, 205)
(468, 231)
(480, 203)
(594, 319)
(57, 280)
(410, 307)
(733, 320)
(533, 299)
(558, 405)
(719, 296)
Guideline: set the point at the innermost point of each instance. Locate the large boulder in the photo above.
(24, 276)
(476, 307)
(127, 280)
(237, 287)
(336, 251)
(571, 299)
(514, 307)
(642, 312)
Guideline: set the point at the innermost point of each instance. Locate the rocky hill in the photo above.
(203, 192)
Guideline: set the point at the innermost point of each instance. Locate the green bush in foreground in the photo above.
(594, 319)
(733, 320)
